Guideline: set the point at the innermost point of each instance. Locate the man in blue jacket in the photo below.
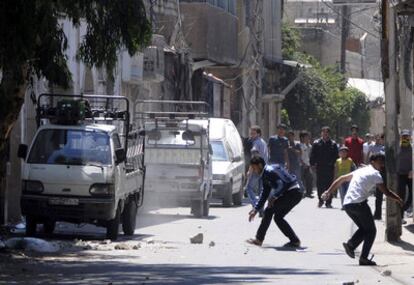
(283, 192)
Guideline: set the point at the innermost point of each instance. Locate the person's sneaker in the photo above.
(309, 196)
(328, 206)
(292, 244)
(366, 262)
(254, 241)
(320, 203)
(348, 250)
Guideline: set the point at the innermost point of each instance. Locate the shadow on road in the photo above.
(105, 272)
(404, 245)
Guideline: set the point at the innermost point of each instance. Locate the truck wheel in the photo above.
(112, 227)
(31, 226)
(228, 195)
(206, 207)
(197, 208)
(49, 226)
(129, 217)
(238, 197)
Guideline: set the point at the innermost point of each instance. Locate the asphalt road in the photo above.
(163, 253)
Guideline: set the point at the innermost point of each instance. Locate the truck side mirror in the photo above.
(120, 155)
(22, 151)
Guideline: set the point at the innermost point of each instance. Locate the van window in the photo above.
(219, 152)
(171, 138)
(71, 147)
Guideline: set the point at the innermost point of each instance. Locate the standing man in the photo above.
(405, 162)
(307, 178)
(259, 149)
(278, 146)
(355, 146)
(369, 140)
(294, 154)
(361, 181)
(282, 191)
(323, 157)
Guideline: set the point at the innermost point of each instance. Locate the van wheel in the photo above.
(206, 207)
(228, 195)
(238, 197)
(49, 226)
(31, 226)
(112, 226)
(197, 208)
(129, 217)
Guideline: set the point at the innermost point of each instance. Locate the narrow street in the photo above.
(161, 252)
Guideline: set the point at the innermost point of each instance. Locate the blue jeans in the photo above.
(251, 185)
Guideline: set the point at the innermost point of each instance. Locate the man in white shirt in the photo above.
(355, 204)
(369, 140)
(307, 178)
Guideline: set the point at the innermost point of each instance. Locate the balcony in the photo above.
(210, 29)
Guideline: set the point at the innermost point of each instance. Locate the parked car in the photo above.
(228, 161)
(83, 166)
(177, 154)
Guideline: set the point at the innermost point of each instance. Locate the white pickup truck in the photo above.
(177, 154)
(83, 166)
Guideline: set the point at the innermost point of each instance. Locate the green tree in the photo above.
(33, 42)
(321, 96)
(291, 41)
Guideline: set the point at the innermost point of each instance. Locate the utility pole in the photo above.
(390, 76)
(344, 35)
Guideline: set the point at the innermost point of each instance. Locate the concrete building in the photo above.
(224, 52)
(320, 25)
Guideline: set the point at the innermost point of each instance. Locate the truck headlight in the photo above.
(32, 186)
(103, 190)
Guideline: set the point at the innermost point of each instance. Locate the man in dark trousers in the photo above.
(283, 192)
(323, 157)
(361, 181)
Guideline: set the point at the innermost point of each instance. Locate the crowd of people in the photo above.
(282, 172)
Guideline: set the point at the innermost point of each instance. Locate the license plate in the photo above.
(64, 201)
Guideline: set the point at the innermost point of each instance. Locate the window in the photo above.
(170, 137)
(71, 147)
(219, 152)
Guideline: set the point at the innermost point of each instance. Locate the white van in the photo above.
(228, 161)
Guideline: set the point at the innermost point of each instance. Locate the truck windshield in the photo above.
(71, 147)
(219, 152)
(171, 138)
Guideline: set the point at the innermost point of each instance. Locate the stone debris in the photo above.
(197, 239)
(349, 283)
(106, 241)
(137, 246)
(211, 244)
(150, 241)
(122, 246)
(386, 273)
(32, 244)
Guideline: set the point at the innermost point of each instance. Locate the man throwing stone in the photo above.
(283, 192)
(356, 205)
